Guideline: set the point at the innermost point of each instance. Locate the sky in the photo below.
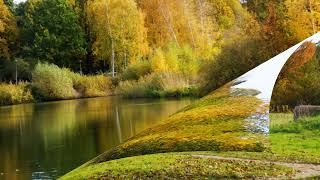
(18, 1)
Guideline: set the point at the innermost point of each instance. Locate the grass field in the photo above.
(295, 138)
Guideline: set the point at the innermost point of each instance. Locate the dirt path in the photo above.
(303, 170)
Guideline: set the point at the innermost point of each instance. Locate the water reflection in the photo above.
(49, 139)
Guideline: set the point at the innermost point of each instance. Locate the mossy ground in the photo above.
(178, 166)
(214, 123)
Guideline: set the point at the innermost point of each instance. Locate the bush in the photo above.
(144, 87)
(50, 83)
(15, 94)
(93, 86)
(135, 71)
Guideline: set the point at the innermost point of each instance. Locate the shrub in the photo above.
(50, 83)
(92, 86)
(144, 87)
(135, 71)
(15, 94)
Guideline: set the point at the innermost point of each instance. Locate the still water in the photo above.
(47, 140)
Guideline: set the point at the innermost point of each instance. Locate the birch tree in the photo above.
(120, 31)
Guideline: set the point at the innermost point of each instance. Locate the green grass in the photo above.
(290, 141)
(177, 166)
(297, 138)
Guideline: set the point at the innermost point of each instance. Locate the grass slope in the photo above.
(214, 123)
(177, 166)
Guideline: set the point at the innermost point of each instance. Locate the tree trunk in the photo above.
(166, 17)
(199, 2)
(112, 59)
(111, 39)
(186, 13)
(312, 17)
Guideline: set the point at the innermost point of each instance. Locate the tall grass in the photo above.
(15, 94)
(158, 85)
(144, 87)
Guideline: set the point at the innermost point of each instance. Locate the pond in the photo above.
(47, 140)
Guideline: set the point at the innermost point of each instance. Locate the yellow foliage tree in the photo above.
(8, 30)
(303, 17)
(119, 29)
(158, 62)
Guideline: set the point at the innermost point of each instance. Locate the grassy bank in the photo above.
(296, 142)
(49, 82)
(214, 123)
(178, 166)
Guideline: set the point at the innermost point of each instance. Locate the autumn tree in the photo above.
(8, 31)
(120, 32)
(303, 18)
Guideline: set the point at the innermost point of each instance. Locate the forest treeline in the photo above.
(150, 47)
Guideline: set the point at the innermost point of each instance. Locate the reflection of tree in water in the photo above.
(299, 80)
(49, 139)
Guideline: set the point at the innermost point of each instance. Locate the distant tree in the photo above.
(50, 31)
